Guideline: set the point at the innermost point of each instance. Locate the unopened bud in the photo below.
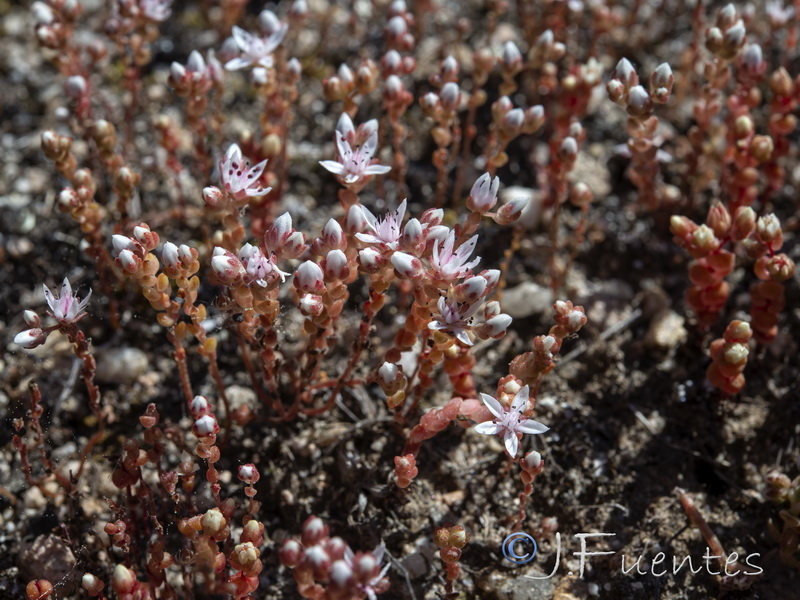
(407, 266)
(309, 277)
(511, 211)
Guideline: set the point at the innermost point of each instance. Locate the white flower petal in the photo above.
(521, 399)
(237, 63)
(512, 443)
(488, 428)
(377, 170)
(493, 405)
(333, 166)
(532, 427)
(461, 336)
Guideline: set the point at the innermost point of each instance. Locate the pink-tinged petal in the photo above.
(467, 248)
(255, 172)
(488, 428)
(442, 305)
(521, 400)
(470, 311)
(377, 170)
(401, 211)
(254, 192)
(345, 125)
(369, 127)
(512, 443)
(368, 238)
(471, 264)
(342, 146)
(274, 40)
(462, 336)
(242, 38)
(372, 221)
(532, 427)
(48, 296)
(437, 326)
(66, 288)
(237, 63)
(333, 166)
(85, 301)
(493, 405)
(371, 145)
(233, 154)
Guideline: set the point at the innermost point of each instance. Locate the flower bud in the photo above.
(491, 309)
(662, 77)
(122, 242)
(226, 266)
(483, 195)
(703, 239)
(248, 473)
(281, 229)
(31, 318)
(744, 223)
(432, 217)
(512, 58)
(768, 231)
(341, 575)
(123, 580)
(335, 265)
(534, 119)
(290, 553)
(533, 460)
(317, 561)
(472, 289)
(311, 305)
(269, 22)
(75, 87)
(450, 96)
(199, 406)
(371, 260)
(512, 122)
(568, 151)
(407, 266)
(511, 211)
(751, 60)
(213, 522)
(761, 147)
(412, 234)
(450, 68)
(639, 102)
(30, 338)
(169, 255)
(186, 254)
(205, 425)
(736, 354)
(313, 531)
(129, 261)
(719, 219)
(213, 196)
(333, 235)
(93, 585)
(388, 373)
(309, 277)
(356, 221)
(294, 246)
(626, 74)
(496, 326)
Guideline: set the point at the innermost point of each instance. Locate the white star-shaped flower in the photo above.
(510, 423)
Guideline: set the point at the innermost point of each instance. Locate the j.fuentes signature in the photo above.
(521, 548)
